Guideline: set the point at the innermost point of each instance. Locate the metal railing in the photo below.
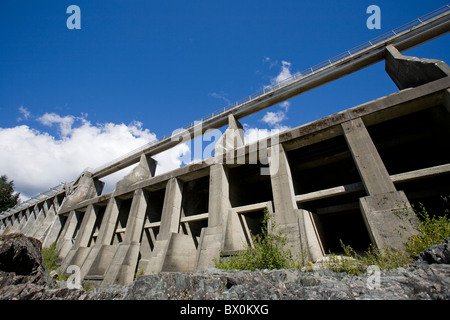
(32, 201)
(242, 104)
(190, 127)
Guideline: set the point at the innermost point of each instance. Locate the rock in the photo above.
(22, 272)
(21, 256)
(439, 253)
(426, 278)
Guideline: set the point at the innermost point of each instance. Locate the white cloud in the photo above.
(37, 160)
(273, 118)
(64, 123)
(26, 114)
(285, 105)
(254, 134)
(270, 62)
(284, 73)
(220, 96)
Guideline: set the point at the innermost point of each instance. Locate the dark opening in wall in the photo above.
(62, 220)
(195, 201)
(124, 211)
(153, 214)
(79, 216)
(99, 213)
(252, 223)
(339, 219)
(429, 192)
(248, 185)
(415, 141)
(322, 165)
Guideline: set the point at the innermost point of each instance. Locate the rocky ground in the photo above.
(23, 277)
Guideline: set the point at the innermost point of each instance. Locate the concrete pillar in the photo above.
(123, 265)
(56, 227)
(49, 217)
(23, 221)
(232, 138)
(31, 220)
(212, 238)
(170, 217)
(380, 209)
(79, 250)
(296, 224)
(170, 223)
(101, 254)
(66, 241)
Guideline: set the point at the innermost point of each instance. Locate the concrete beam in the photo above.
(86, 187)
(145, 170)
(380, 209)
(410, 72)
(373, 173)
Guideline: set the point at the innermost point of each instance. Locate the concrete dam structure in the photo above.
(347, 176)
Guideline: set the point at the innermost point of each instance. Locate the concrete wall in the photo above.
(344, 177)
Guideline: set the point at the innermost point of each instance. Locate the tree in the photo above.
(7, 197)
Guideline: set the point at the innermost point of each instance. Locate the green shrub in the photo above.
(353, 263)
(268, 251)
(432, 230)
(50, 257)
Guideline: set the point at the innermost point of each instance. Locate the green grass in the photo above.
(431, 230)
(50, 257)
(268, 251)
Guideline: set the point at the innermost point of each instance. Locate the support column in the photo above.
(63, 246)
(80, 249)
(48, 218)
(296, 224)
(31, 220)
(162, 257)
(56, 227)
(212, 238)
(381, 208)
(101, 254)
(123, 265)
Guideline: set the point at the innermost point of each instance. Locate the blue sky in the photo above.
(139, 69)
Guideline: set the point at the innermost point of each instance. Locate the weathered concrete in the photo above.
(384, 201)
(324, 176)
(144, 170)
(85, 187)
(411, 72)
(123, 265)
(170, 222)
